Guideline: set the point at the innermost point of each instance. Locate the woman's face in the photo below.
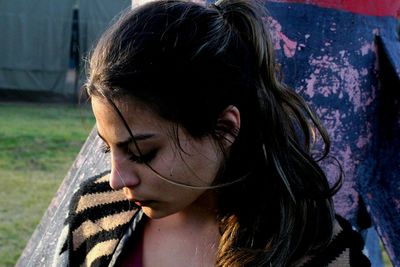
(196, 162)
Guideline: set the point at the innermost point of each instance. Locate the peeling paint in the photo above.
(289, 46)
(363, 140)
(366, 48)
(331, 73)
(280, 39)
(310, 85)
(371, 97)
(301, 47)
(362, 7)
(364, 72)
(397, 204)
(337, 73)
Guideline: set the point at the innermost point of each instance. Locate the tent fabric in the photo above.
(36, 39)
(383, 190)
(35, 43)
(94, 17)
(392, 50)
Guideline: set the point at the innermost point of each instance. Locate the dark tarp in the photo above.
(35, 43)
(36, 39)
(94, 17)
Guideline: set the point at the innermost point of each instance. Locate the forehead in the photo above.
(140, 119)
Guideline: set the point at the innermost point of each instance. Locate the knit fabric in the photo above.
(345, 249)
(99, 217)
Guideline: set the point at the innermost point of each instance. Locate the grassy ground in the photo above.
(38, 144)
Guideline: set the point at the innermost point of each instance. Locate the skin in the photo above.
(198, 166)
(183, 226)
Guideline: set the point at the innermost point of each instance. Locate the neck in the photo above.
(191, 235)
(200, 212)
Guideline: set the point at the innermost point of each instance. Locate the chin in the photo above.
(154, 213)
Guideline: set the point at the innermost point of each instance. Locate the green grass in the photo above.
(38, 144)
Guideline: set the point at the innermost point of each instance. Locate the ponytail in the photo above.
(302, 208)
(188, 63)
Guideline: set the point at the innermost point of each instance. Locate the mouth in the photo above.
(143, 203)
(137, 201)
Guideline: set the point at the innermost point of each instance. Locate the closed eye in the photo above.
(143, 159)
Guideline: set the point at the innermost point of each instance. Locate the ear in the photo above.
(228, 124)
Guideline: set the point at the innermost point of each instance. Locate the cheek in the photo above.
(203, 164)
(165, 163)
(196, 164)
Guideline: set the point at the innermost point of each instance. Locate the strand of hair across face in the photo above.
(240, 179)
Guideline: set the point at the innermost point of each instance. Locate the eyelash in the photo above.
(144, 159)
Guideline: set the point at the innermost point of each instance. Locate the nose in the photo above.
(122, 174)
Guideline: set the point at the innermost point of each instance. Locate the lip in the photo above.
(137, 201)
(143, 202)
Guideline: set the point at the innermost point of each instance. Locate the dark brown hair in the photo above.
(188, 63)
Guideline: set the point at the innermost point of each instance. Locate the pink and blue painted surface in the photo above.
(343, 57)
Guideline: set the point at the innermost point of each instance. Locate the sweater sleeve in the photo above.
(345, 249)
(97, 219)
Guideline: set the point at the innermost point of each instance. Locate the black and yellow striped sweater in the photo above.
(97, 220)
(101, 221)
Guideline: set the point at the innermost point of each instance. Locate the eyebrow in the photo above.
(137, 138)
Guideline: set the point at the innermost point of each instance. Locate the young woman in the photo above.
(209, 148)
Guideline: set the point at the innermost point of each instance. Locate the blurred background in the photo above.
(43, 122)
